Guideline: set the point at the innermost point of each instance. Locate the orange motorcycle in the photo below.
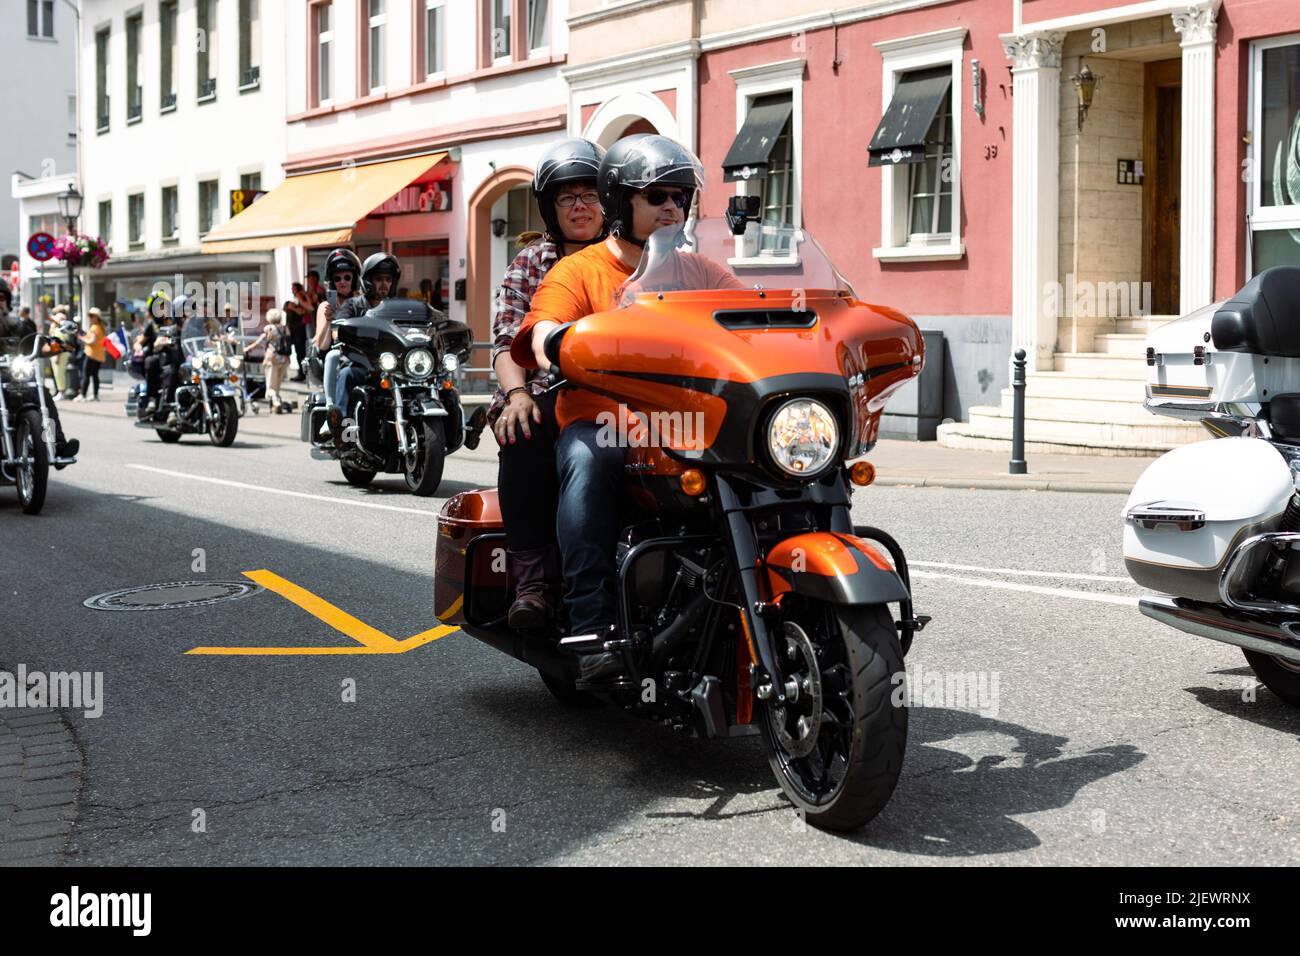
(748, 601)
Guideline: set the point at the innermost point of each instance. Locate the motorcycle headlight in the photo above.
(388, 361)
(22, 368)
(236, 361)
(216, 361)
(450, 363)
(802, 437)
(419, 363)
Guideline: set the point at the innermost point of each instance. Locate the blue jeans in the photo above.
(343, 383)
(587, 523)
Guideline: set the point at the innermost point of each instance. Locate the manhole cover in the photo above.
(170, 597)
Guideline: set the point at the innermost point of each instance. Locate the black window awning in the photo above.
(749, 153)
(900, 137)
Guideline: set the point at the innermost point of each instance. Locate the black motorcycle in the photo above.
(27, 432)
(208, 399)
(406, 416)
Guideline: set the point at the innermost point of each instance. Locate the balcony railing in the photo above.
(207, 89)
(251, 78)
(168, 103)
(136, 105)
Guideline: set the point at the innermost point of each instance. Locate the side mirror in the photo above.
(552, 345)
(741, 211)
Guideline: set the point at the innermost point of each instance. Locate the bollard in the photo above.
(1018, 466)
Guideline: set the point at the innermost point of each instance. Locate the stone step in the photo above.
(1153, 431)
(1083, 406)
(961, 435)
(1092, 364)
(1143, 324)
(1071, 385)
(1132, 345)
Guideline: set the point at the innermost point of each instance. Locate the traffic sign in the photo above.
(41, 246)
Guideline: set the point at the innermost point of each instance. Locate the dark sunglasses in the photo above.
(343, 275)
(657, 197)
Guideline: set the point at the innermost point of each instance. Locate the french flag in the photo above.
(116, 344)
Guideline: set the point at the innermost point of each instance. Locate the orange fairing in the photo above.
(838, 559)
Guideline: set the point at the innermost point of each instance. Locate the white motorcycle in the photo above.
(1215, 525)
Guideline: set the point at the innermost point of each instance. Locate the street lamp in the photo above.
(70, 210)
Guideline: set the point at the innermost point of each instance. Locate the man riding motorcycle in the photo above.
(16, 339)
(379, 278)
(646, 182)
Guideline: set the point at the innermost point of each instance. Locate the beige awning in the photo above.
(317, 209)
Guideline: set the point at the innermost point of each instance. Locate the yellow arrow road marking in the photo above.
(372, 641)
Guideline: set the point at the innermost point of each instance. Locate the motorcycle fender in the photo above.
(223, 391)
(835, 568)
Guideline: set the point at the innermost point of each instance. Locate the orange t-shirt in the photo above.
(583, 284)
(578, 285)
(95, 347)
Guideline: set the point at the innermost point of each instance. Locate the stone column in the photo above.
(1197, 25)
(1035, 187)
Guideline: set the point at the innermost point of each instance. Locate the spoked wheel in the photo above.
(423, 466)
(836, 744)
(225, 422)
(567, 694)
(33, 475)
(1278, 675)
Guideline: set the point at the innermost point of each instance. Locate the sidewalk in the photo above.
(916, 464)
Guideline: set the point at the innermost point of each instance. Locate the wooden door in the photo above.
(1162, 183)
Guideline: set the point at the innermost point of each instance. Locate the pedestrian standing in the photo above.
(275, 359)
(295, 318)
(93, 340)
(59, 363)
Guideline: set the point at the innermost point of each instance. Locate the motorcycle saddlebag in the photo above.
(470, 577)
(1194, 505)
(313, 417)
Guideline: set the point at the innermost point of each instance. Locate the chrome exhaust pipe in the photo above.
(1252, 631)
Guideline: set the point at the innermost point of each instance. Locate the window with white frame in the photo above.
(377, 24)
(170, 224)
(101, 80)
(771, 95)
(1275, 142)
(250, 44)
(500, 23)
(134, 90)
(921, 181)
(206, 40)
(106, 222)
(135, 219)
(167, 59)
(323, 16)
(209, 208)
(434, 37)
(539, 25)
(72, 119)
(40, 19)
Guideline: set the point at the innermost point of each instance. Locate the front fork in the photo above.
(47, 424)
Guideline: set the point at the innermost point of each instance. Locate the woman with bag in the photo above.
(275, 360)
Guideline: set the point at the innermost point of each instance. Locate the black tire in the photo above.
(225, 424)
(357, 477)
(862, 735)
(1279, 676)
(34, 479)
(168, 435)
(567, 694)
(424, 478)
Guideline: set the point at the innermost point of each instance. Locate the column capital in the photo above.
(1198, 23)
(1032, 51)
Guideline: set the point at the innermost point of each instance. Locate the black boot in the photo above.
(474, 427)
(532, 572)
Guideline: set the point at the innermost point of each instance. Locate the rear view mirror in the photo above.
(742, 210)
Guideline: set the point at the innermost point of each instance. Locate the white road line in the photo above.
(1028, 574)
(1032, 588)
(319, 499)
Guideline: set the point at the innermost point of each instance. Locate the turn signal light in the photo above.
(862, 473)
(385, 383)
(234, 380)
(693, 482)
(194, 377)
(448, 385)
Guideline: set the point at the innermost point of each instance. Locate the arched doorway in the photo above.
(638, 126)
(479, 280)
(630, 113)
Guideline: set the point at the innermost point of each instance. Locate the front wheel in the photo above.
(836, 745)
(423, 466)
(1279, 676)
(225, 422)
(34, 473)
(357, 477)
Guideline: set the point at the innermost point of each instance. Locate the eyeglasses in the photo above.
(568, 199)
(657, 197)
(340, 276)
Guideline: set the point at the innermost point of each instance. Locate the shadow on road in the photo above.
(1266, 710)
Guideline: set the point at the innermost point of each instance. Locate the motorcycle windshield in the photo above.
(704, 254)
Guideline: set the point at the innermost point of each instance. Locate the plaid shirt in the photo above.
(514, 299)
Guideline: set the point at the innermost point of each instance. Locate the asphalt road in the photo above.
(1111, 740)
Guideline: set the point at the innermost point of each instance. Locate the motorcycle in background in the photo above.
(407, 415)
(209, 395)
(27, 448)
(1215, 525)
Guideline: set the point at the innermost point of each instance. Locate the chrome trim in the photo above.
(1166, 516)
(1272, 637)
(1238, 557)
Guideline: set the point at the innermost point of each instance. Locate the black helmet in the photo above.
(380, 263)
(342, 260)
(568, 161)
(638, 161)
